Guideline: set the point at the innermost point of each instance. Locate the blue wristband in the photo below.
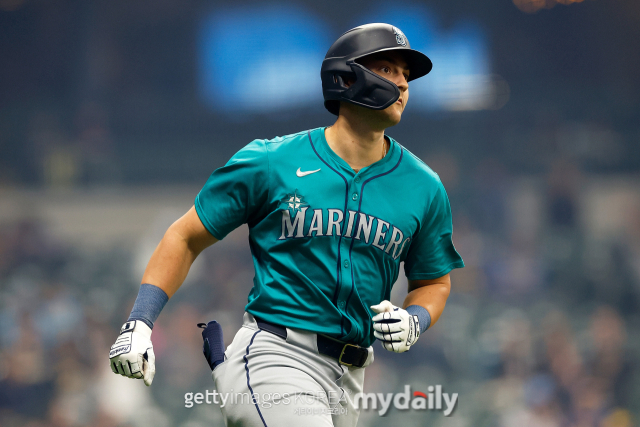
(423, 316)
(149, 303)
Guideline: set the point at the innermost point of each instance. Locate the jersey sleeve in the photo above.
(236, 193)
(431, 252)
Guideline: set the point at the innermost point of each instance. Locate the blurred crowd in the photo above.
(541, 328)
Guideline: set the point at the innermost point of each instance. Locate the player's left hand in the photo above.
(395, 327)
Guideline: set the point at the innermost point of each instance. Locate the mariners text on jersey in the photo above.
(327, 242)
(295, 229)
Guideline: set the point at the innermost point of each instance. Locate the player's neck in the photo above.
(356, 143)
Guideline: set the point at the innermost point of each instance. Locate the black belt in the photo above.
(346, 354)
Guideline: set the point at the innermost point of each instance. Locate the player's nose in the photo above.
(401, 82)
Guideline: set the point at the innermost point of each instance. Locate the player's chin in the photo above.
(393, 114)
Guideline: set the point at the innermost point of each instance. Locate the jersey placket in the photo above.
(346, 262)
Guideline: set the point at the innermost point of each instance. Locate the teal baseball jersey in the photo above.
(327, 242)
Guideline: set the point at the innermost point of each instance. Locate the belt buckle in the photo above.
(342, 354)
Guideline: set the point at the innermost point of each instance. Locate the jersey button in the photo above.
(346, 263)
(357, 179)
(341, 304)
(355, 196)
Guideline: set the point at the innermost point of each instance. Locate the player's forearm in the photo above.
(170, 262)
(430, 294)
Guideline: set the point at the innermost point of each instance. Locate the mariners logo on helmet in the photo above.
(400, 38)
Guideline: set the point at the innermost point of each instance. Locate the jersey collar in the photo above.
(330, 156)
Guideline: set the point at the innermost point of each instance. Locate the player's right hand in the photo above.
(132, 353)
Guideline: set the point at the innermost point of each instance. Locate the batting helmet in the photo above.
(369, 90)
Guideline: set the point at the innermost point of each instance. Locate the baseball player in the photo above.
(332, 212)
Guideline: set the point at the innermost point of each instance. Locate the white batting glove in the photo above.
(395, 327)
(132, 354)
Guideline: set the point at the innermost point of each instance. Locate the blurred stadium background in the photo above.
(114, 113)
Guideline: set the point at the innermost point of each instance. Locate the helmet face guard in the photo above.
(369, 89)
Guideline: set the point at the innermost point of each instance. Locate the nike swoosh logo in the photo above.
(301, 174)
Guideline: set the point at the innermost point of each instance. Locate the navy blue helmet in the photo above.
(369, 89)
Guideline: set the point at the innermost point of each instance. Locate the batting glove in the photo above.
(132, 354)
(395, 327)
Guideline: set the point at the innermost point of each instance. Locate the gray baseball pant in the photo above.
(268, 381)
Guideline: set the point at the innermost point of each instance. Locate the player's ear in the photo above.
(344, 80)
